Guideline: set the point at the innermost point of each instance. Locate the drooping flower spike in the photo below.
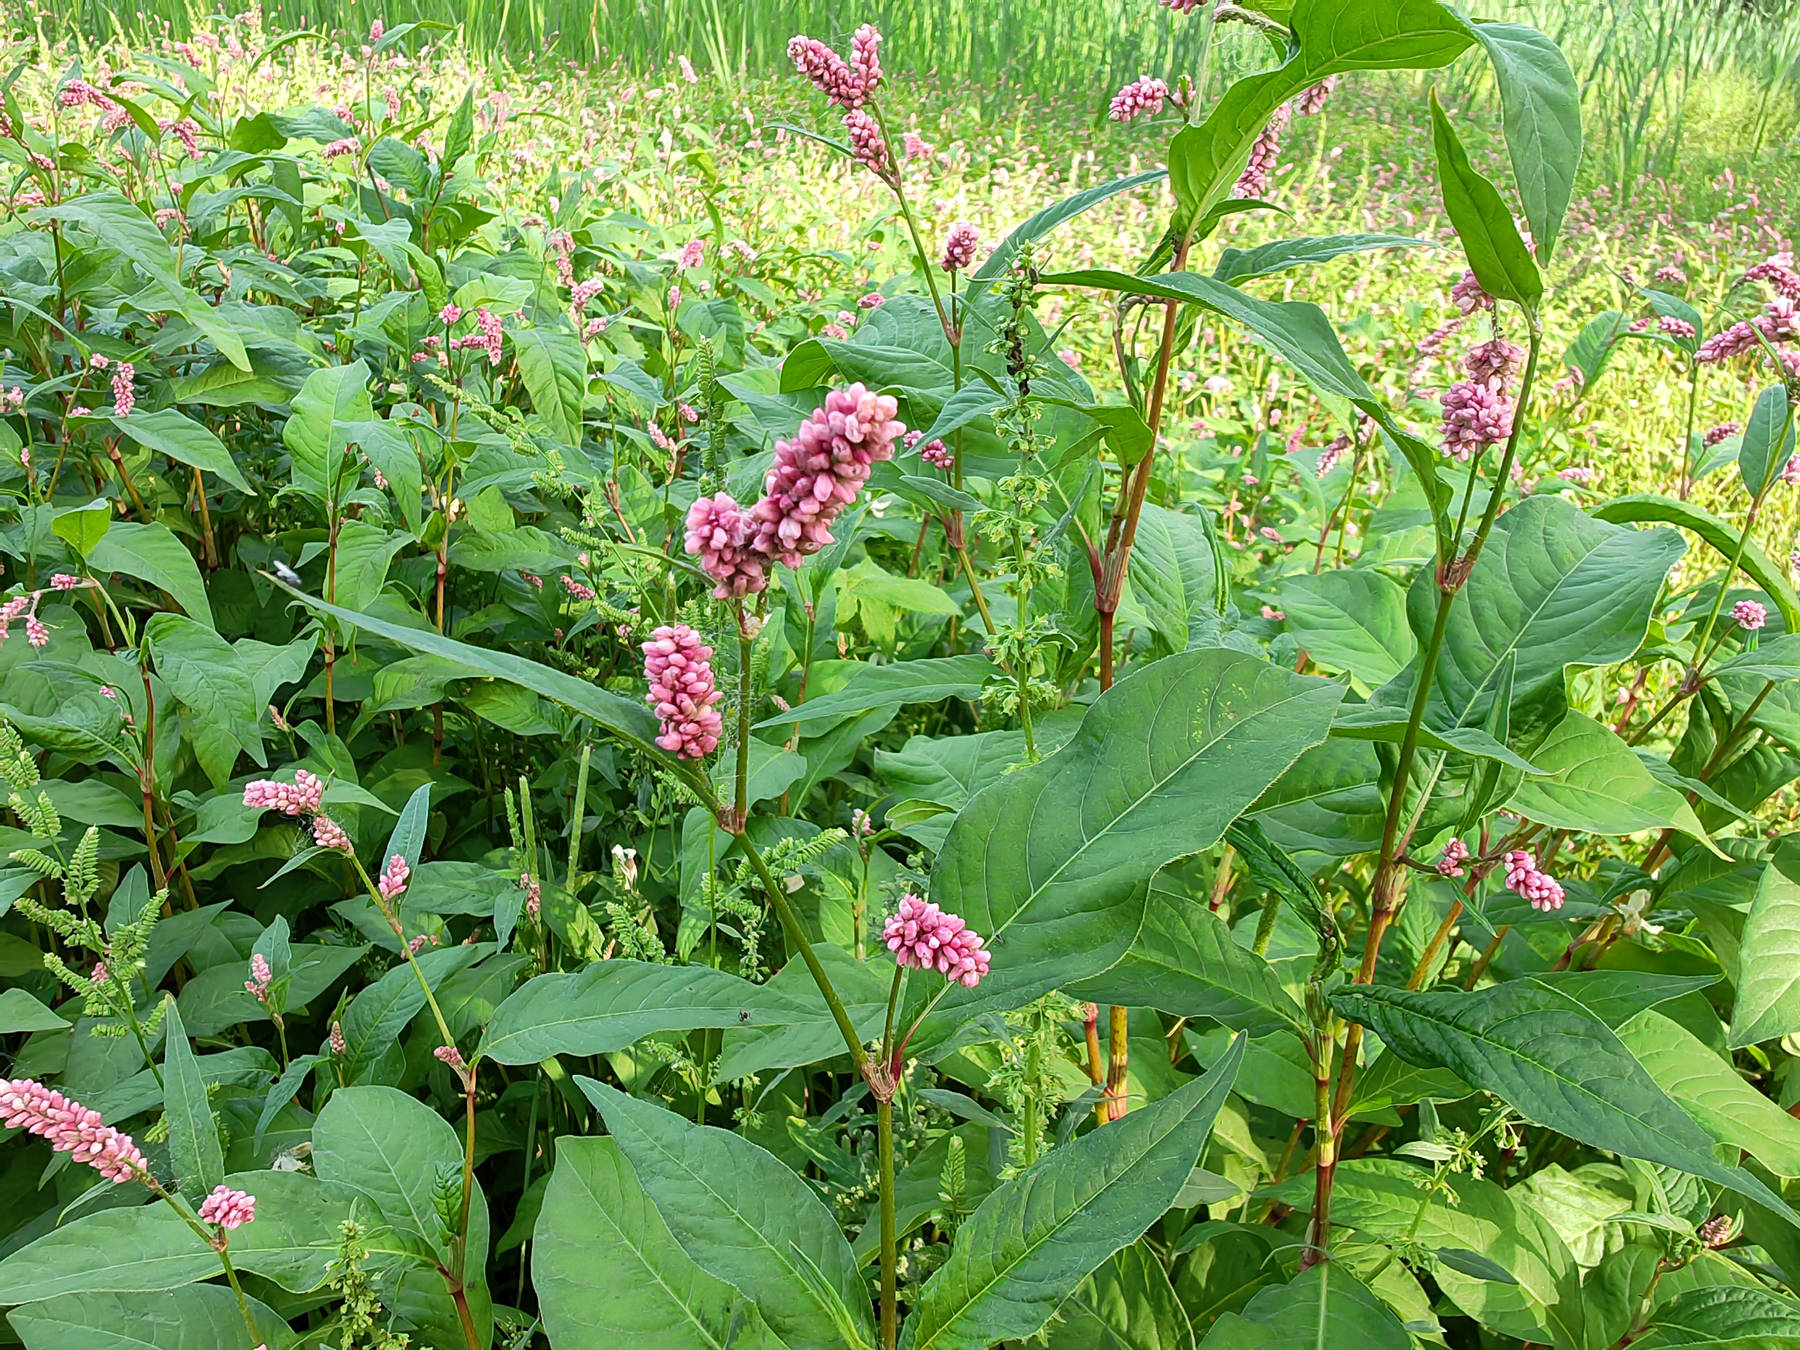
(678, 668)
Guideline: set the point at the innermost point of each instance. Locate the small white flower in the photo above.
(1633, 909)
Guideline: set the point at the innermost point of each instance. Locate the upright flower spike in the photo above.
(394, 877)
(718, 534)
(1749, 615)
(1450, 862)
(1523, 879)
(923, 937)
(959, 247)
(257, 986)
(821, 470)
(1259, 171)
(1466, 294)
(300, 798)
(1476, 416)
(678, 669)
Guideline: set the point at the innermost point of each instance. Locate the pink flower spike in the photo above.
(923, 937)
(1468, 296)
(1522, 878)
(1749, 615)
(26, 1104)
(260, 978)
(1450, 862)
(678, 669)
(718, 534)
(1259, 171)
(394, 878)
(63, 581)
(821, 470)
(959, 247)
(327, 833)
(1145, 94)
(450, 1055)
(227, 1208)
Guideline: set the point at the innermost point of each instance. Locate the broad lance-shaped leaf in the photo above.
(198, 1316)
(1325, 1308)
(1127, 1304)
(1046, 220)
(628, 720)
(1768, 976)
(1768, 442)
(1724, 539)
(644, 1292)
(613, 1003)
(1035, 1238)
(746, 1217)
(1541, 113)
(193, 1134)
(925, 681)
(152, 553)
(1052, 864)
(1554, 1062)
(1238, 265)
(1722, 1317)
(1713, 1092)
(1186, 963)
(1592, 781)
(1498, 257)
(171, 433)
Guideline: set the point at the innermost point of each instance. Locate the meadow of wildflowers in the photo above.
(715, 712)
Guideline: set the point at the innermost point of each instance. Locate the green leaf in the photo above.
(83, 526)
(1723, 537)
(746, 1217)
(1046, 220)
(1163, 762)
(382, 1010)
(213, 688)
(1351, 621)
(1540, 109)
(1185, 962)
(1127, 1304)
(1768, 441)
(1015, 1258)
(1555, 1063)
(611, 1004)
(929, 680)
(1325, 1308)
(168, 432)
(153, 553)
(1490, 240)
(553, 365)
(1768, 974)
(392, 1148)
(407, 838)
(625, 718)
(646, 1292)
(1722, 1317)
(1592, 781)
(193, 1133)
(793, 1026)
(21, 1013)
(315, 435)
(1238, 265)
(135, 1249)
(199, 1317)
(1713, 1093)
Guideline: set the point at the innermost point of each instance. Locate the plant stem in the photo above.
(1687, 439)
(1118, 1060)
(890, 1284)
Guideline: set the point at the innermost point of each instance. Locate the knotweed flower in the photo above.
(691, 255)
(1312, 101)
(578, 590)
(678, 667)
(1494, 363)
(828, 71)
(1676, 328)
(339, 1045)
(923, 937)
(1790, 472)
(227, 1208)
(866, 142)
(1670, 274)
(124, 396)
(299, 798)
(64, 581)
(1259, 171)
(1476, 416)
(36, 634)
(1450, 861)
(1785, 280)
(937, 454)
(718, 534)
(865, 58)
(1723, 432)
(1523, 879)
(914, 145)
(257, 986)
(26, 1104)
(1466, 294)
(821, 470)
(959, 247)
(450, 1055)
(1749, 615)
(327, 833)
(1145, 94)
(394, 878)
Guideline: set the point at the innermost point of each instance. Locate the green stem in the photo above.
(884, 1141)
(405, 950)
(1687, 439)
(581, 783)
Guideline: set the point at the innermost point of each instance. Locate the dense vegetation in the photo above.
(675, 711)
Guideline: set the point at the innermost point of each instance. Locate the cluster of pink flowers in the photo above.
(227, 1208)
(487, 334)
(1259, 172)
(299, 798)
(1676, 328)
(579, 590)
(815, 476)
(914, 145)
(959, 247)
(678, 667)
(64, 581)
(866, 141)
(1332, 454)
(1523, 878)
(339, 148)
(1580, 474)
(923, 937)
(534, 893)
(1311, 102)
(691, 255)
(184, 129)
(1466, 294)
(1450, 861)
(1476, 416)
(451, 1056)
(124, 396)
(1723, 432)
(392, 883)
(257, 986)
(1749, 615)
(35, 631)
(848, 84)
(1145, 94)
(937, 454)
(327, 833)
(1778, 272)
(1494, 363)
(1670, 274)
(1779, 322)
(336, 1040)
(72, 1128)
